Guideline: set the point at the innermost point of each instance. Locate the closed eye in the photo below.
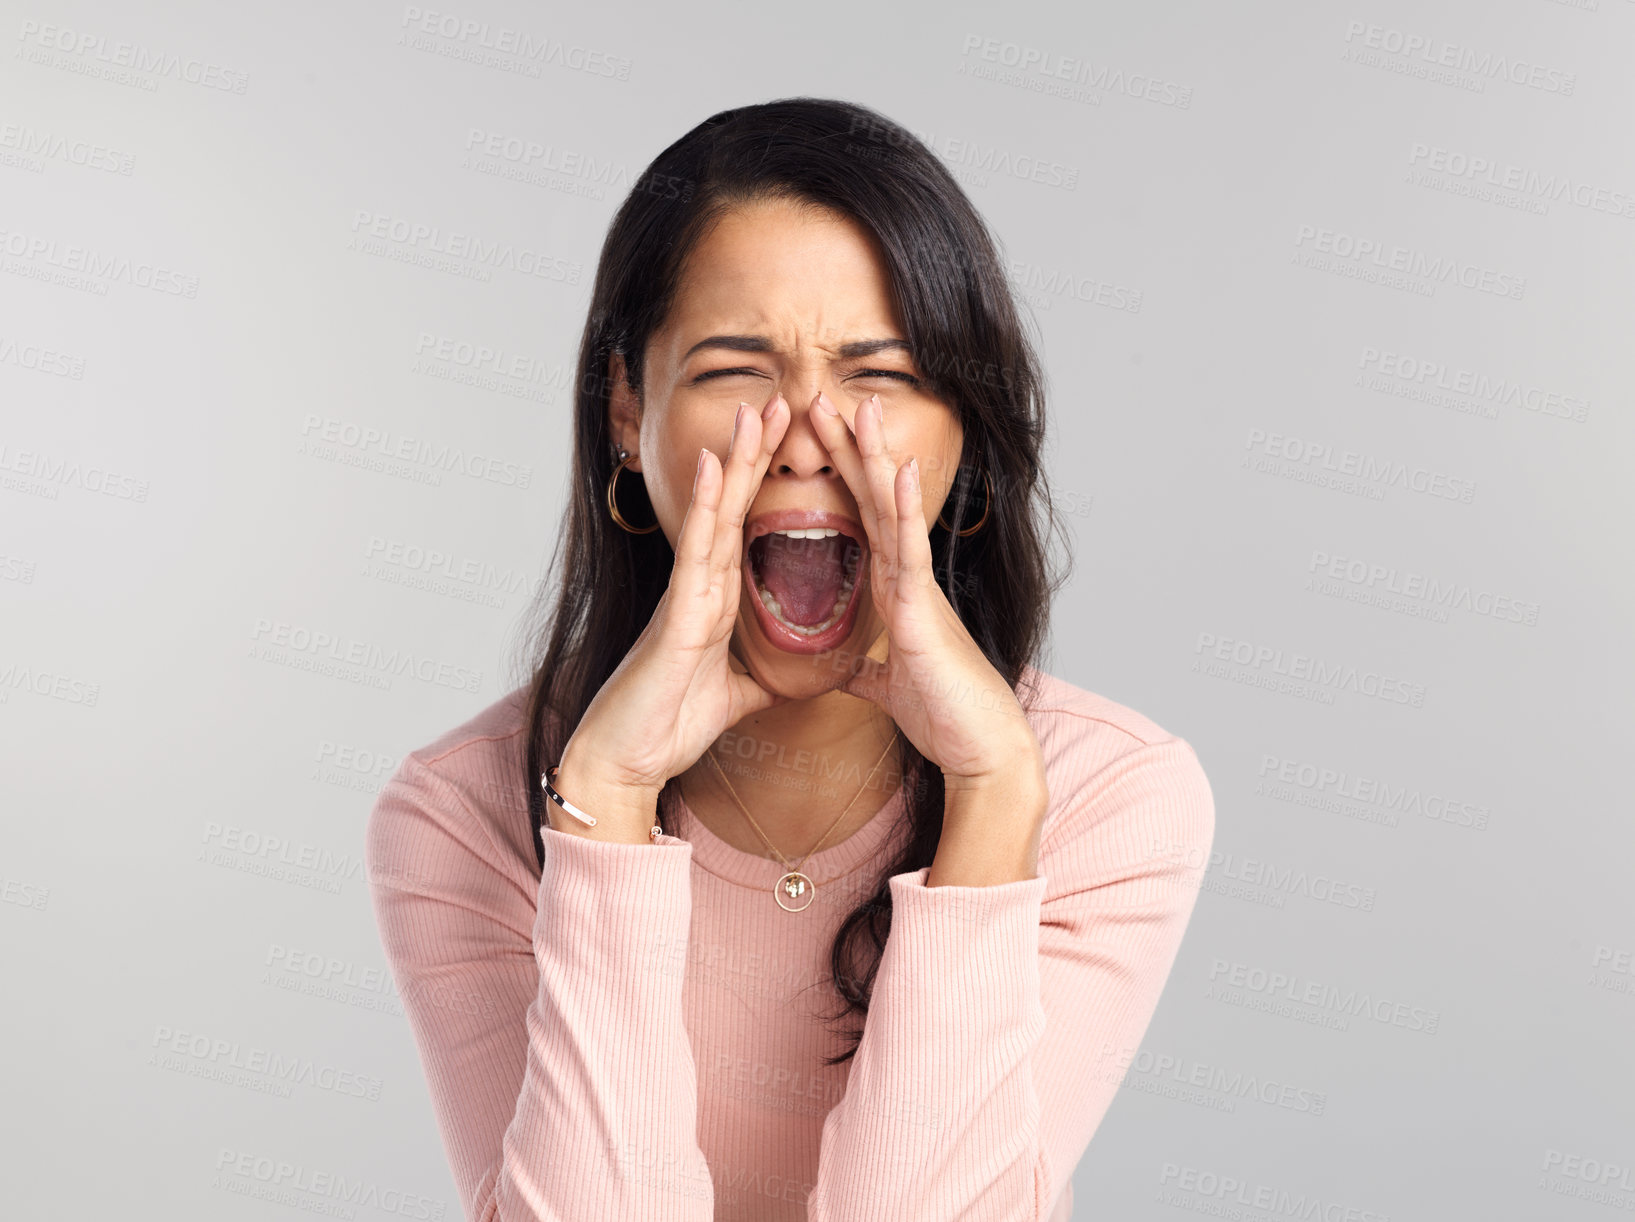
(728, 373)
(887, 373)
(907, 378)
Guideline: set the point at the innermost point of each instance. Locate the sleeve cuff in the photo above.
(615, 897)
(974, 949)
(1021, 898)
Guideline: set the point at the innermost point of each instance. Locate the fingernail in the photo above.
(914, 472)
(771, 405)
(823, 402)
(702, 450)
(736, 421)
(879, 408)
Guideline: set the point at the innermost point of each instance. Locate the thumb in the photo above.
(868, 682)
(747, 696)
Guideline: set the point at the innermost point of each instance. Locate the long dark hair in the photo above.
(968, 340)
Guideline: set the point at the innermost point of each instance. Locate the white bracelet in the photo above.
(550, 792)
(587, 819)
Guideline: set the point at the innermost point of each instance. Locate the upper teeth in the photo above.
(816, 532)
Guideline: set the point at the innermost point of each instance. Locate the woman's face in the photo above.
(805, 284)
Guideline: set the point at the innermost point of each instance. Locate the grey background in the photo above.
(184, 797)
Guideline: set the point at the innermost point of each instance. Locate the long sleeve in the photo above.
(997, 1011)
(548, 1019)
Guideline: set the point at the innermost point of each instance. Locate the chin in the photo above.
(799, 673)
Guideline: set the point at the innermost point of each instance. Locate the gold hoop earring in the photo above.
(986, 506)
(613, 503)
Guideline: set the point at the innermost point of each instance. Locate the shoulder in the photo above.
(462, 797)
(1114, 771)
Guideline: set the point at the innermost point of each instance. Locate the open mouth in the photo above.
(805, 583)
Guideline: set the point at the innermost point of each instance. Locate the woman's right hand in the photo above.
(679, 686)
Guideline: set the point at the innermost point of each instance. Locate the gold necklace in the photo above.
(795, 884)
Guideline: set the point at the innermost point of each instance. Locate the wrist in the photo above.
(1020, 800)
(1019, 784)
(623, 812)
(991, 828)
(972, 854)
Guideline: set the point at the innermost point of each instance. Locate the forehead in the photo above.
(802, 277)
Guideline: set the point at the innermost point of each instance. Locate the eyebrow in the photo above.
(760, 343)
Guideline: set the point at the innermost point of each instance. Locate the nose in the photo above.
(801, 453)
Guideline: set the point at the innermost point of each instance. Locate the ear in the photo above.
(624, 412)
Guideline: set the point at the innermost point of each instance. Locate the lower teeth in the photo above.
(771, 604)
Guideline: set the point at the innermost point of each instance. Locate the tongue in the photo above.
(804, 575)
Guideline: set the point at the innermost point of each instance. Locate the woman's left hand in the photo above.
(936, 683)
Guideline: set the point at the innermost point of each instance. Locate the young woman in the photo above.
(789, 887)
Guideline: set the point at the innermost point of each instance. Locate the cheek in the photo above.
(670, 445)
(937, 443)
(661, 473)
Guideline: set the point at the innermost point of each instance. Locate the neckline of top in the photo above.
(837, 861)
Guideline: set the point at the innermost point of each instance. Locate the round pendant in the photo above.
(798, 888)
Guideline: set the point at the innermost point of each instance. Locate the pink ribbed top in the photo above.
(637, 1033)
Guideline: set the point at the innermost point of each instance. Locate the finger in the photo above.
(881, 471)
(838, 438)
(691, 577)
(747, 697)
(913, 539)
(753, 442)
(868, 682)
